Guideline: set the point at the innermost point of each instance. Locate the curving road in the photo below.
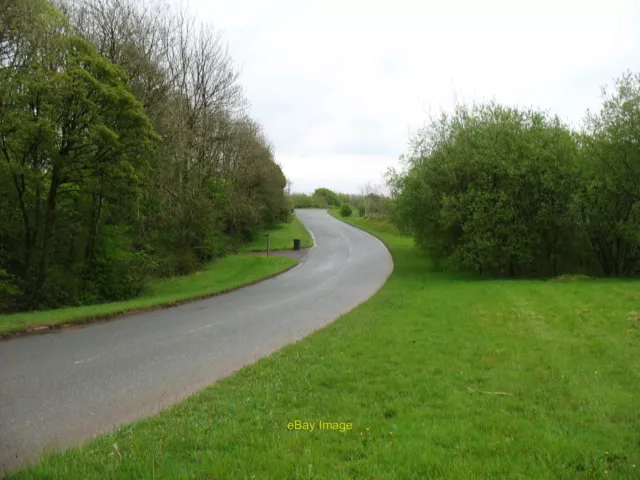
(61, 388)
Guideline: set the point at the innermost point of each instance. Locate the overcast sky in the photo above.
(339, 85)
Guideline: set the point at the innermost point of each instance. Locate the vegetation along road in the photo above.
(67, 387)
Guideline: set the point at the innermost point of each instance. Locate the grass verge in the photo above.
(440, 376)
(223, 275)
(281, 237)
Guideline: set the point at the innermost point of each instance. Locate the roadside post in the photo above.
(268, 235)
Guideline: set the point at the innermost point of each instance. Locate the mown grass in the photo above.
(442, 377)
(281, 237)
(222, 275)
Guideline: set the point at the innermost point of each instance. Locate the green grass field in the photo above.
(225, 274)
(441, 376)
(281, 237)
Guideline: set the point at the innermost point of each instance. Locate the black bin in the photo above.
(296, 244)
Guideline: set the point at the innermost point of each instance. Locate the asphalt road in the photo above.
(60, 389)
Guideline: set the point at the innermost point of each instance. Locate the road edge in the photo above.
(365, 231)
(44, 329)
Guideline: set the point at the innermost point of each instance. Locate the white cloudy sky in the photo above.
(339, 85)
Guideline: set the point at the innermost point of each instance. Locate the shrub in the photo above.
(9, 292)
(487, 189)
(608, 203)
(302, 200)
(326, 197)
(503, 190)
(346, 210)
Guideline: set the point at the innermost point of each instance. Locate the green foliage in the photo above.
(274, 205)
(119, 271)
(302, 200)
(112, 171)
(371, 202)
(442, 376)
(500, 190)
(75, 142)
(326, 197)
(487, 190)
(280, 237)
(346, 210)
(221, 275)
(607, 206)
(9, 291)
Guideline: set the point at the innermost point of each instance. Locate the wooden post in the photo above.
(268, 242)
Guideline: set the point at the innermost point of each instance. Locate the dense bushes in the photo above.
(607, 205)
(506, 191)
(370, 202)
(321, 198)
(327, 198)
(302, 200)
(126, 151)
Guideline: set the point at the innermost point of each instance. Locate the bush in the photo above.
(487, 190)
(502, 190)
(118, 272)
(607, 206)
(302, 200)
(346, 210)
(9, 292)
(326, 197)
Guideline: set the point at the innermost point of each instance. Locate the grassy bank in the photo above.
(281, 237)
(441, 377)
(223, 275)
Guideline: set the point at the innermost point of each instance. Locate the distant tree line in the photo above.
(509, 191)
(370, 202)
(125, 151)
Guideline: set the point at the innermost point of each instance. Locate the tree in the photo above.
(326, 197)
(608, 202)
(372, 201)
(487, 189)
(70, 131)
(92, 202)
(302, 200)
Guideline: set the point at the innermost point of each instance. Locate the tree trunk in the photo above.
(18, 181)
(602, 249)
(94, 227)
(49, 225)
(38, 214)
